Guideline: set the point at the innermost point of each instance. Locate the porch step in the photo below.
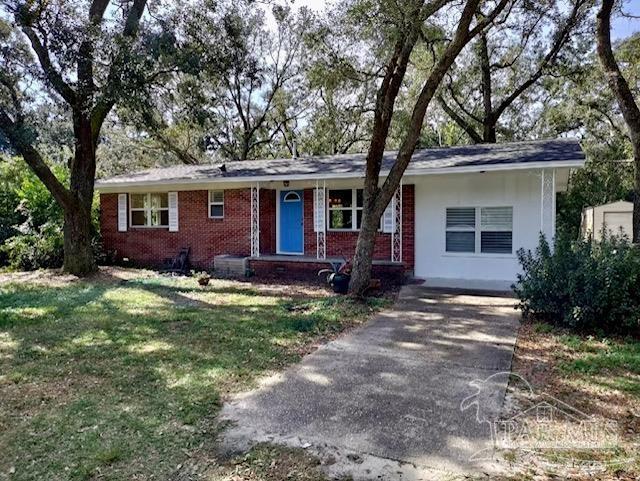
(228, 265)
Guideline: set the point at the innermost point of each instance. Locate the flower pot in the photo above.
(340, 283)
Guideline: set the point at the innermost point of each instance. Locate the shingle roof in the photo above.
(513, 153)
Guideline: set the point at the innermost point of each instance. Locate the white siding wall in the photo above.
(520, 190)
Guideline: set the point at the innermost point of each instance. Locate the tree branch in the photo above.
(561, 38)
(53, 77)
(109, 92)
(476, 138)
(461, 38)
(17, 136)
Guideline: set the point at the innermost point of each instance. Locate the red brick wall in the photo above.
(206, 237)
(309, 270)
(344, 243)
(231, 235)
(267, 221)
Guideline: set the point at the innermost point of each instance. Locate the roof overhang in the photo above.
(111, 187)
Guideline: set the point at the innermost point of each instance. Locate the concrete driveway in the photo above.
(384, 401)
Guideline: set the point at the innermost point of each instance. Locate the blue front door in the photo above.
(291, 222)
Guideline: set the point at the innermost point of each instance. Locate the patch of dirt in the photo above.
(57, 278)
(270, 286)
(263, 463)
(536, 359)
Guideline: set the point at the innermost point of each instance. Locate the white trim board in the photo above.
(116, 187)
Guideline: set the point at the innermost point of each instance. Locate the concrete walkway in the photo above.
(385, 400)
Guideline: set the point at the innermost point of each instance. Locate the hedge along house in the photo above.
(456, 221)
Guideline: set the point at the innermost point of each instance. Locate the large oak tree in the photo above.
(76, 54)
(408, 22)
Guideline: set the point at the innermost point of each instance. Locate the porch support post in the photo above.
(548, 204)
(319, 203)
(255, 220)
(396, 233)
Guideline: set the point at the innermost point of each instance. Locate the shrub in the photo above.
(582, 285)
(31, 221)
(39, 248)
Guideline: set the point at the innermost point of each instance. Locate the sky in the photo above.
(623, 27)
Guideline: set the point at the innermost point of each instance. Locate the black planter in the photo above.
(340, 283)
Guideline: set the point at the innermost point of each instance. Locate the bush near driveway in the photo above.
(582, 285)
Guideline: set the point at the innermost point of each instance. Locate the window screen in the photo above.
(216, 204)
(149, 210)
(461, 229)
(496, 230)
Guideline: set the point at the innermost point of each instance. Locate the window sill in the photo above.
(216, 218)
(480, 255)
(148, 227)
(379, 231)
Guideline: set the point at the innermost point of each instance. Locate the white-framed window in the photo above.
(149, 210)
(291, 197)
(344, 209)
(485, 230)
(496, 230)
(216, 204)
(461, 229)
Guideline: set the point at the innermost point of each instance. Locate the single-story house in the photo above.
(457, 220)
(613, 218)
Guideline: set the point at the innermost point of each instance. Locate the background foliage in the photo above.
(30, 220)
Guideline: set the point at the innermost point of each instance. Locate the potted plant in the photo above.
(338, 276)
(203, 278)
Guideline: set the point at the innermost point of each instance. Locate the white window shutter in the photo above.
(122, 212)
(319, 211)
(388, 218)
(173, 212)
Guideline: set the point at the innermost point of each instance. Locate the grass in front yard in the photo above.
(121, 379)
(598, 376)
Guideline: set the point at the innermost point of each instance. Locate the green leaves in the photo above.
(587, 286)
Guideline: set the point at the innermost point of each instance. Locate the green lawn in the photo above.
(122, 379)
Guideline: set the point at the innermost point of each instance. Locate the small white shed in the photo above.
(609, 217)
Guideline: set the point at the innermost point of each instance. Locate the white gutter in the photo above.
(113, 186)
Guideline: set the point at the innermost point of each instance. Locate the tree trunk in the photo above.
(488, 120)
(377, 198)
(489, 132)
(78, 251)
(624, 95)
(361, 271)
